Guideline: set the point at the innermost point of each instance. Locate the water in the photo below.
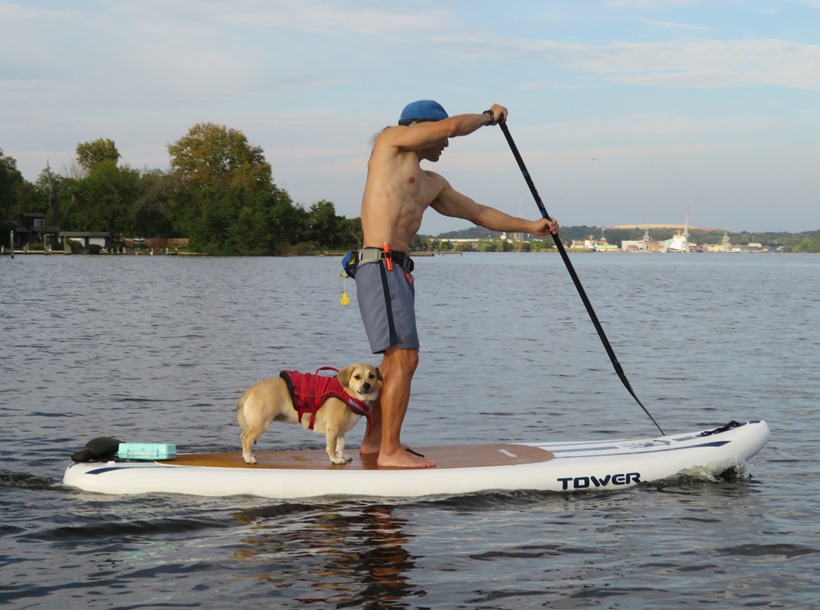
(158, 349)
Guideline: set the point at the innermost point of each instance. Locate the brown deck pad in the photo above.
(448, 456)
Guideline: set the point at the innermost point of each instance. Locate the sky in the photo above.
(624, 111)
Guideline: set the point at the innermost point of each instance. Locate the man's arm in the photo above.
(465, 124)
(422, 135)
(452, 203)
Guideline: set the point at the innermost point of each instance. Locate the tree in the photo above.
(810, 243)
(327, 229)
(104, 200)
(353, 232)
(213, 156)
(152, 207)
(266, 224)
(218, 175)
(47, 194)
(11, 182)
(91, 154)
(420, 244)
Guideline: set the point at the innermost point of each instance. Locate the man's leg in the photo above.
(397, 369)
(372, 441)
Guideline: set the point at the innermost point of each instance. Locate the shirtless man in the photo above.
(397, 193)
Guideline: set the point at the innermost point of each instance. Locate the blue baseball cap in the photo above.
(422, 110)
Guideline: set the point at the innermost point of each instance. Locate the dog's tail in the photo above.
(240, 412)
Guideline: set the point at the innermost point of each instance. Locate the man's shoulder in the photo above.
(434, 177)
(389, 135)
(389, 144)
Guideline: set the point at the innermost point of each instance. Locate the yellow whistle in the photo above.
(345, 299)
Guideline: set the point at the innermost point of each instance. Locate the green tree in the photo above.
(153, 204)
(353, 233)
(91, 154)
(221, 180)
(810, 244)
(210, 156)
(290, 224)
(420, 244)
(49, 187)
(494, 245)
(443, 245)
(104, 200)
(238, 222)
(266, 224)
(11, 184)
(326, 229)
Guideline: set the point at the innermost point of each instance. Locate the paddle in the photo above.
(618, 369)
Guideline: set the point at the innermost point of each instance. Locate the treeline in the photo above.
(807, 241)
(219, 193)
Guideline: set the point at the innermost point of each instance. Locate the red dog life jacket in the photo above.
(309, 391)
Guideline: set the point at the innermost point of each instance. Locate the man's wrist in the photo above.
(491, 114)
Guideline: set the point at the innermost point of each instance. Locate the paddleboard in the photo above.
(550, 466)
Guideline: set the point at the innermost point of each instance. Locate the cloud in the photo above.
(350, 18)
(635, 82)
(695, 64)
(677, 26)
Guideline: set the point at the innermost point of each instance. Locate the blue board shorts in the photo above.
(387, 304)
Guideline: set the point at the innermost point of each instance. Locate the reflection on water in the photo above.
(348, 556)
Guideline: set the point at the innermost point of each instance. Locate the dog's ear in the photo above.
(344, 375)
(379, 374)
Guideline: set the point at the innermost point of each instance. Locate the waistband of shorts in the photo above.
(374, 255)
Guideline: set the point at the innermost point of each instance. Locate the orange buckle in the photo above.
(388, 257)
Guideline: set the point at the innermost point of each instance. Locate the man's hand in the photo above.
(544, 227)
(499, 114)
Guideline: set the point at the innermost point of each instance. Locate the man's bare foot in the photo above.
(404, 459)
(375, 448)
(370, 447)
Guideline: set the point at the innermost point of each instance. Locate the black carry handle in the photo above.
(618, 369)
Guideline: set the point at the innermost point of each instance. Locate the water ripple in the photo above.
(172, 342)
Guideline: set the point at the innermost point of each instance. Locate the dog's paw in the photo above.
(249, 458)
(344, 459)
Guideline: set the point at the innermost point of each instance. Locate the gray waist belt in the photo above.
(373, 255)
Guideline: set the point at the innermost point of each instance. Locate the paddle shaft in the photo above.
(617, 365)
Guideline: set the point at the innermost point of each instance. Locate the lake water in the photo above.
(158, 349)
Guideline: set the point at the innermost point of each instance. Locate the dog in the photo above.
(273, 400)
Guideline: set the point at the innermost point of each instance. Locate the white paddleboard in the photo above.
(550, 466)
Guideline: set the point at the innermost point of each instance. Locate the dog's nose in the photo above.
(366, 387)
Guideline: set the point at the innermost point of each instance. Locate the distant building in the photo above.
(31, 228)
(723, 246)
(88, 238)
(590, 244)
